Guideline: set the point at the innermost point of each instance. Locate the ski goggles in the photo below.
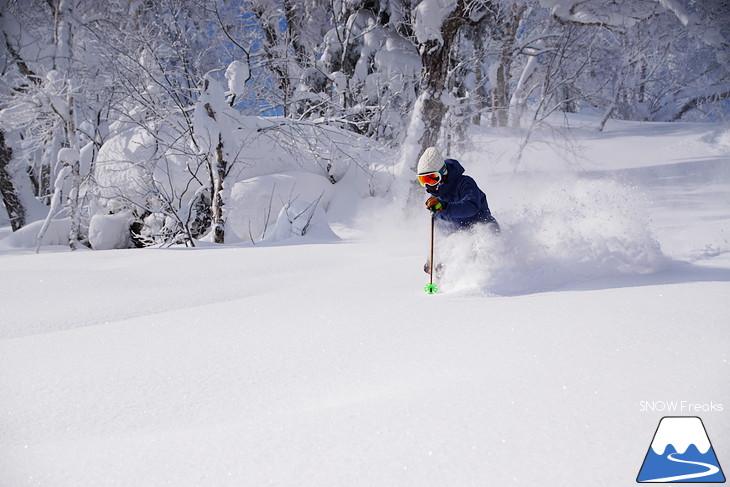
(432, 178)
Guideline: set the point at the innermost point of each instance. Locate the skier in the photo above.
(455, 199)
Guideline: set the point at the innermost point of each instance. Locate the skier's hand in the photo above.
(435, 205)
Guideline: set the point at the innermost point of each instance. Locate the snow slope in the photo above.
(323, 362)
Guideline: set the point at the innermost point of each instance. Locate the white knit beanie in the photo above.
(431, 161)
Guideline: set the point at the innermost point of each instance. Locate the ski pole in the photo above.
(431, 287)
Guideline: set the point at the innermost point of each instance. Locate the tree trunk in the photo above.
(435, 58)
(219, 223)
(13, 205)
(63, 63)
(217, 175)
(481, 97)
(273, 51)
(73, 203)
(500, 93)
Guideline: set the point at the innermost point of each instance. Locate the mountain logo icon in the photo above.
(680, 452)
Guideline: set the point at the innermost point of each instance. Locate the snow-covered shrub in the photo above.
(167, 186)
(148, 171)
(110, 231)
(255, 203)
(302, 218)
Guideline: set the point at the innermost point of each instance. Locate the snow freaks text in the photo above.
(680, 407)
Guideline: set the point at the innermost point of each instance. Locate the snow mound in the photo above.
(255, 202)
(302, 218)
(27, 237)
(584, 230)
(108, 232)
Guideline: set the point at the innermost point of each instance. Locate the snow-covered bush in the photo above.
(302, 218)
(147, 171)
(110, 231)
(166, 186)
(256, 202)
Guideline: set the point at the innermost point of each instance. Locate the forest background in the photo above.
(132, 122)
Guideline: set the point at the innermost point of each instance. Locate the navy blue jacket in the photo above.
(466, 204)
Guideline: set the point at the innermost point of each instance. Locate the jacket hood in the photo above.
(453, 167)
(454, 170)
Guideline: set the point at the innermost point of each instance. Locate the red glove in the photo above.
(435, 205)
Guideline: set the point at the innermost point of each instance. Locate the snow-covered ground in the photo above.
(323, 362)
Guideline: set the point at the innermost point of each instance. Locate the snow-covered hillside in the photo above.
(321, 361)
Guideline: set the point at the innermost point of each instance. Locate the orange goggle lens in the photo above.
(430, 179)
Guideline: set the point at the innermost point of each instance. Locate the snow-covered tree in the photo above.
(656, 60)
(80, 78)
(288, 33)
(372, 67)
(43, 109)
(14, 207)
(214, 137)
(162, 53)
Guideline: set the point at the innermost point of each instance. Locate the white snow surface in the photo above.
(320, 360)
